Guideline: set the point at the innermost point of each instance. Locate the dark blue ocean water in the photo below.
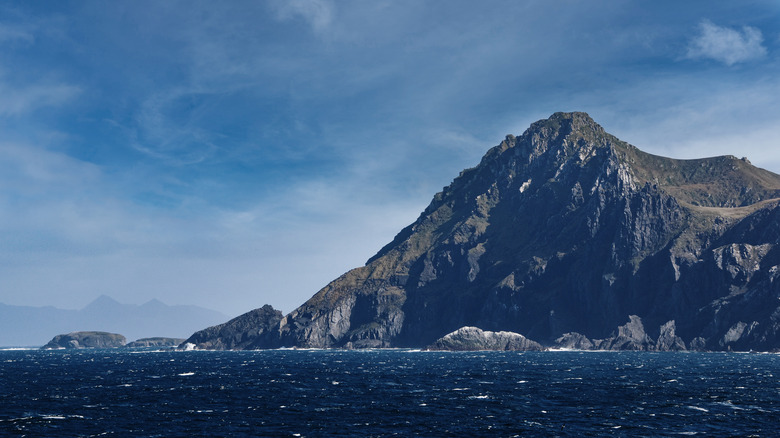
(387, 393)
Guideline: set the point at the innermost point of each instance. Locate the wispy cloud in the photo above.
(168, 128)
(11, 33)
(729, 46)
(23, 100)
(317, 13)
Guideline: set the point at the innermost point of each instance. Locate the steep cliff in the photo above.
(568, 230)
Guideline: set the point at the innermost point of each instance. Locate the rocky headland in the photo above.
(567, 236)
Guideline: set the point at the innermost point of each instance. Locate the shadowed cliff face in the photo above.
(567, 229)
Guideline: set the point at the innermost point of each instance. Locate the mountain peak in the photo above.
(556, 139)
(575, 119)
(563, 125)
(102, 302)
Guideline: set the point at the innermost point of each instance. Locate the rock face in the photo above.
(86, 340)
(565, 230)
(155, 342)
(474, 339)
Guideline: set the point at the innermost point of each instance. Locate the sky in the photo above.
(235, 154)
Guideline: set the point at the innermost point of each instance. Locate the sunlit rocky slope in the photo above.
(570, 237)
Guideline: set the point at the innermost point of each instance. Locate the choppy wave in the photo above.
(386, 393)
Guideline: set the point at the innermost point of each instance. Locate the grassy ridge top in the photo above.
(722, 182)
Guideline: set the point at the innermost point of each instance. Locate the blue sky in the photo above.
(233, 154)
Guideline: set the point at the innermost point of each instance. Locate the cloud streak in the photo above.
(19, 101)
(317, 13)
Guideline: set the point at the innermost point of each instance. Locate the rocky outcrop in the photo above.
(628, 337)
(668, 339)
(155, 342)
(86, 340)
(561, 231)
(251, 330)
(574, 341)
(475, 339)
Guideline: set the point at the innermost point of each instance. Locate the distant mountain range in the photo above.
(570, 237)
(35, 326)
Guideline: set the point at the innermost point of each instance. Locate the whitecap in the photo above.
(731, 405)
(698, 408)
(186, 374)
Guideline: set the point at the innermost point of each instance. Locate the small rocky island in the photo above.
(77, 340)
(475, 339)
(93, 339)
(155, 342)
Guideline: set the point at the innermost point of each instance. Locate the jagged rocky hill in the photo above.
(570, 237)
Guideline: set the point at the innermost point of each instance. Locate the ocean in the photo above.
(383, 393)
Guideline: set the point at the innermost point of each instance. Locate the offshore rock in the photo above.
(78, 340)
(475, 339)
(565, 229)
